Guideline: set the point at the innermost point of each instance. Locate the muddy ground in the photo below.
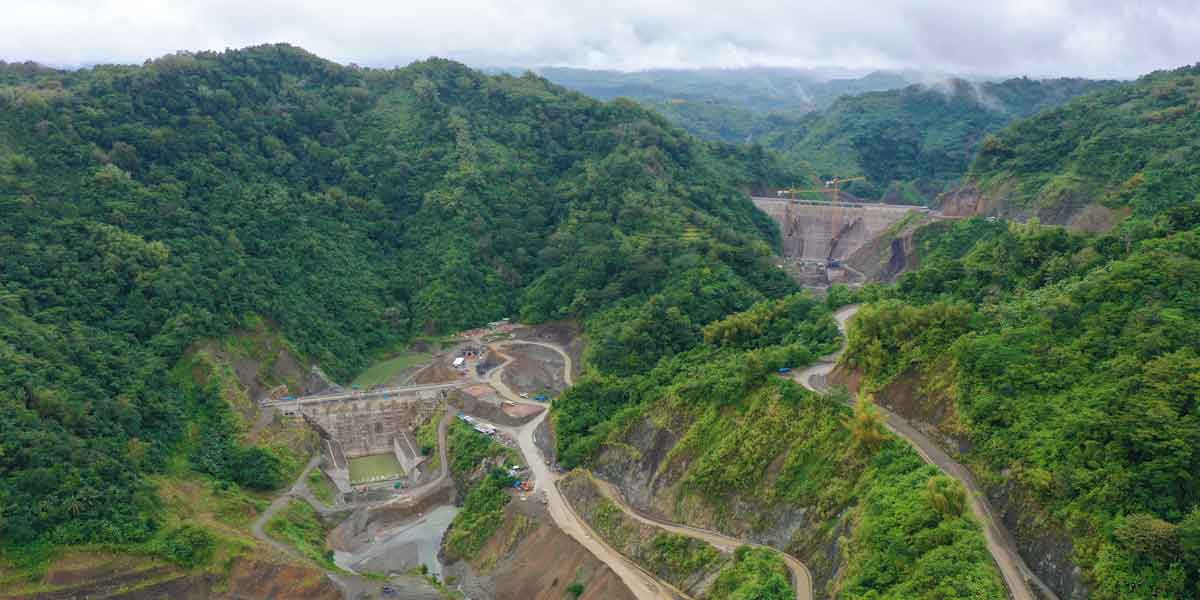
(439, 371)
(356, 532)
(528, 558)
(489, 411)
(404, 547)
(247, 579)
(534, 369)
(567, 334)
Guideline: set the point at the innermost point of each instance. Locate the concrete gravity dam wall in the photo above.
(820, 231)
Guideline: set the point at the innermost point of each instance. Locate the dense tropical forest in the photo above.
(149, 207)
(741, 437)
(1060, 365)
(1069, 365)
(910, 141)
(1133, 148)
(1064, 364)
(911, 144)
(340, 212)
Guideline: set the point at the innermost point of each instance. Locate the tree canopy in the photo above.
(149, 207)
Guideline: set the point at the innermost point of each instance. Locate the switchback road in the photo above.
(1018, 577)
(642, 584)
(801, 577)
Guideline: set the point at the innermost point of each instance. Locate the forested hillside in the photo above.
(1134, 148)
(1064, 367)
(758, 90)
(147, 208)
(910, 141)
(732, 105)
(711, 437)
(913, 142)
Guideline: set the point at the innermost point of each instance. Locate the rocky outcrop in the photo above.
(885, 257)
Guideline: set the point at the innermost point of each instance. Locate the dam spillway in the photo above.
(821, 231)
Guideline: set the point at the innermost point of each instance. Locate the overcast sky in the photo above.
(1110, 38)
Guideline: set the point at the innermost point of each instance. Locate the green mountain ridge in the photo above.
(265, 202)
(758, 90)
(1132, 148)
(147, 208)
(1062, 365)
(912, 143)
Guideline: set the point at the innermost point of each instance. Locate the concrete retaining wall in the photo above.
(819, 231)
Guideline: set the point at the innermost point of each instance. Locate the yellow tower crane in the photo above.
(833, 187)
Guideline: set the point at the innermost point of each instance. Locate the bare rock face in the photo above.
(889, 255)
(963, 201)
(262, 580)
(1074, 210)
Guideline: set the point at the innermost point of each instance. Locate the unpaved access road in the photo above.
(801, 577)
(642, 584)
(1018, 577)
(351, 585)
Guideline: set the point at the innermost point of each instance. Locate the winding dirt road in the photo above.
(801, 577)
(1018, 577)
(642, 584)
(350, 585)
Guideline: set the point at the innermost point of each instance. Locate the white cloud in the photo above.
(1120, 38)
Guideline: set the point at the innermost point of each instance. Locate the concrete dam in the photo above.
(817, 231)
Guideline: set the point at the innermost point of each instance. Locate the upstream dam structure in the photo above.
(820, 231)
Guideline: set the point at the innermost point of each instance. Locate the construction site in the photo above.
(368, 437)
(819, 236)
(370, 440)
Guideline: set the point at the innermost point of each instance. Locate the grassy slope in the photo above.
(300, 526)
